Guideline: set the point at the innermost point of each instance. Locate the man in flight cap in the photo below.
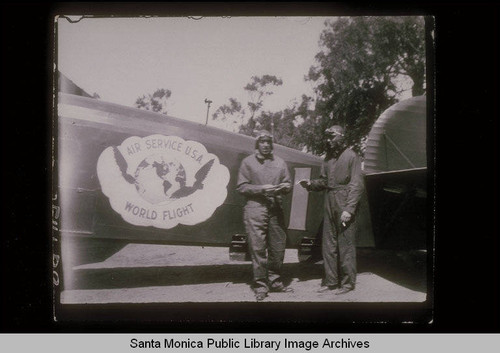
(263, 178)
(342, 179)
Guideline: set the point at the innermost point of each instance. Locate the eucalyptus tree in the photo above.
(359, 72)
(156, 102)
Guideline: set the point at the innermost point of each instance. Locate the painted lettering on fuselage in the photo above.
(162, 181)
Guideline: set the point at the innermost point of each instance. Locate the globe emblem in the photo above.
(157, 178)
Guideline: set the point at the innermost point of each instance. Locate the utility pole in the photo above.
(208, 108)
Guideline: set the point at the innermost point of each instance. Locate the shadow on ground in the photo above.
(403, 269)
(129, 277)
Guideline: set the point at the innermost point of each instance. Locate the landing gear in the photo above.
(309, 250)
(238, 250)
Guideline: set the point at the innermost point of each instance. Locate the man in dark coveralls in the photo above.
(263, 178)
(342, 179)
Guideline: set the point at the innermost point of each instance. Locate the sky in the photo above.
(211, 58)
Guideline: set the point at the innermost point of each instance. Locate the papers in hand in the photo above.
(271, 189)
(303, 182)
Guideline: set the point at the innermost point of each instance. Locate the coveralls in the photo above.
(341, 177)
(263, 217)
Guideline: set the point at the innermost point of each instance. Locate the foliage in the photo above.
(232, 114)
(357, 73)
(285, 129)
(258, 89)
(156, 102)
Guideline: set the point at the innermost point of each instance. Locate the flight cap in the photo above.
(335, 130)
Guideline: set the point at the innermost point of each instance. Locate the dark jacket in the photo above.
(342, 178)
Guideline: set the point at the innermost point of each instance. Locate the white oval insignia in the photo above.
(162, 181)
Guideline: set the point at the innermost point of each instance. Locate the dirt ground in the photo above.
(141, 273)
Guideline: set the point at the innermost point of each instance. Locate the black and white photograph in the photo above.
(254, 176)
(245, 159)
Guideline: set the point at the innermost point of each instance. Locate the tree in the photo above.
(232, 114)
(357, 74)
(286, 123)
(156, 102)
(258, 88)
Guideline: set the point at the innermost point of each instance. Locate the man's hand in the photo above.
(306, 184)
(269, 189)
(283, 186)
(345, 217)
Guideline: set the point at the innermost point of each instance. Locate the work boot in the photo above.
(326, 289)
(260, 296)
(260, 291)
(280, 288)
(344, 290)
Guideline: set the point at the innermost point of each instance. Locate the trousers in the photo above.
(339, 249)
(267, 243)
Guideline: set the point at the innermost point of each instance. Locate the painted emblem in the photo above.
(162, 181)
